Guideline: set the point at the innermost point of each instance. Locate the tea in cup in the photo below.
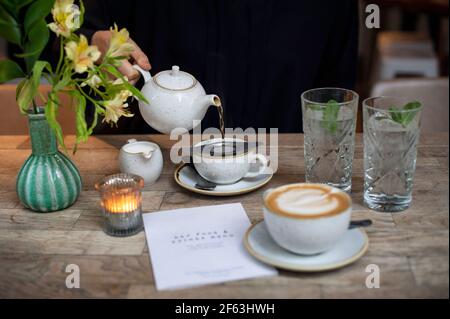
(226, 161)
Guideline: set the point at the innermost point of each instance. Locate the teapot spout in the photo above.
(211, 99)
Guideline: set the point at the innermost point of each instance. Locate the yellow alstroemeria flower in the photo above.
(65, 17)
(123, 94)
(82, 54)
(93, 81)
(119, 44)
(114, 109)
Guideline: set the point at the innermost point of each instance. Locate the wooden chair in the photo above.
(12, 122)
(404, 53)
(432, 92)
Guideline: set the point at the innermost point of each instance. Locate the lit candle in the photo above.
(121, 202)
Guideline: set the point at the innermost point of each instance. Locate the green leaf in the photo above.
(98, 110)
(51, 112)
(38, 68)
(82, 9)
(25, 55)
(331, 111)
(80, 108)
(25, 95)
(30, 88)
(135, 92)
(404, 118)
(82, 131)
(412, 105)
(80, 121)
(20, 87)
(408, 117)
(9, 70)
(38, 39)
(395, 113)
(19, 4)
(64, 82)
(330, 116)
(14, 6)
(9, 27)
(37, 11)
(127, 85)
(10, 7)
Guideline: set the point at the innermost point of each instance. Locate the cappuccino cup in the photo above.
(307, 218)
(227, 160)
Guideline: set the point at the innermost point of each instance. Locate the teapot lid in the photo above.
(175, 79)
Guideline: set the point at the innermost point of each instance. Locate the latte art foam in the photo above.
(307, 200)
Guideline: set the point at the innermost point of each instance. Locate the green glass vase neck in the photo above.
(43, 139)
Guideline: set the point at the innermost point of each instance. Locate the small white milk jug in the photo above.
(141, 158)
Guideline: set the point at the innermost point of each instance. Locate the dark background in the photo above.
(259, 56)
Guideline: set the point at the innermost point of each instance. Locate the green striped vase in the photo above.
(48, 181)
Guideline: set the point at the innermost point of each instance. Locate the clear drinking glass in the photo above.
(391, 134)
(329, 122)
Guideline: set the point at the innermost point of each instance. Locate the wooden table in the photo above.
(411, 248)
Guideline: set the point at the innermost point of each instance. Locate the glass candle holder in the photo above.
(121, 203)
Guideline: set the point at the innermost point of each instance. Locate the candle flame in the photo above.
(122, 203)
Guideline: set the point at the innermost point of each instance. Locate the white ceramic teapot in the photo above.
(175, 99)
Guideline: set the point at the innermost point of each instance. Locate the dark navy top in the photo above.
(257, 55)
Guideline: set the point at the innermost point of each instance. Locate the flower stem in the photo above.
(35, 110)
(80, 89)
(97, 91)
(61, 55)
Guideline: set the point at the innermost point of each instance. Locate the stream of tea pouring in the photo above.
(221, 118)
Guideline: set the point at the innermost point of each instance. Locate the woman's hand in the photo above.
(102, 38)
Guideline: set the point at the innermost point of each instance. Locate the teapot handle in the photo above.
(147, 76)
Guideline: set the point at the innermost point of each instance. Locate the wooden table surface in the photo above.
(411, 248)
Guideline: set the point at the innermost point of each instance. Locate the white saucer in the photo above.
(186, 178)
(348, 249)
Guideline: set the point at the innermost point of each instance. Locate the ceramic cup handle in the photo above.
(145, 74)
(262, 166)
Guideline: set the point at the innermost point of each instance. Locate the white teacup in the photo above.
(306, 218)
(229, 167)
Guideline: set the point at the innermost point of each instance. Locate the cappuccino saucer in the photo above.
(348, 249)
(186, 177)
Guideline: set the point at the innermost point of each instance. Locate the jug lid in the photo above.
(175, 79)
